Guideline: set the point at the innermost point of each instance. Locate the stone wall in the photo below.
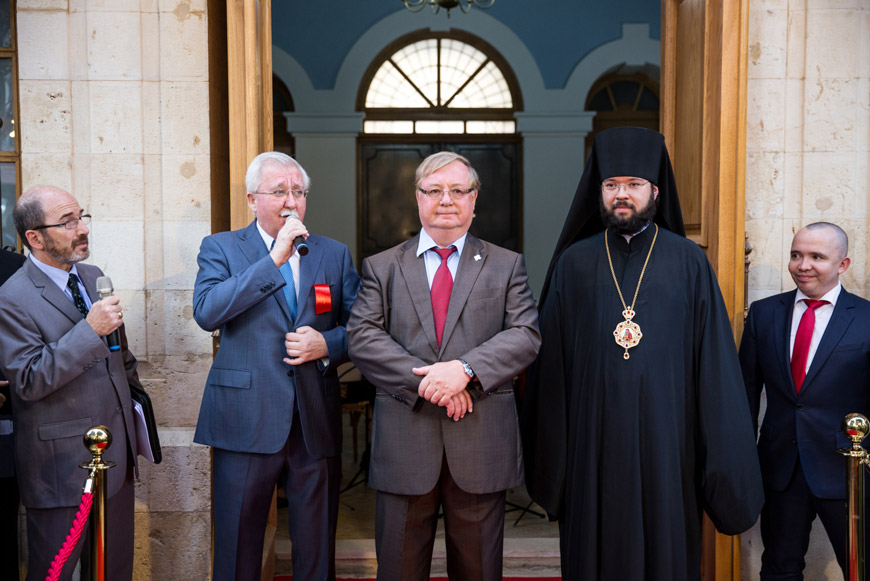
(808, 138)
(114, 108)
(808, 146)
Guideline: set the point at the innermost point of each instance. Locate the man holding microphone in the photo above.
(272, 407)
(64, 379)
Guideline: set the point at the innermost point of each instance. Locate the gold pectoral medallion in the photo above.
(627, 333)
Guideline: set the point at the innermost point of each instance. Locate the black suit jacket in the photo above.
(9, 263)
(806, 426)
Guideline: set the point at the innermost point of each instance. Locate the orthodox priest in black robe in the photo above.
(626, 444)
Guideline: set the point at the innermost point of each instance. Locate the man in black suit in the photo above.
(810, 349)
(9, 263)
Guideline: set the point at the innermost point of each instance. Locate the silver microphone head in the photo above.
(104, 287)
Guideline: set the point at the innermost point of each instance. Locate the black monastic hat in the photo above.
(621, 151)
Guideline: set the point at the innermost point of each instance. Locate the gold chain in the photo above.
(643, 270)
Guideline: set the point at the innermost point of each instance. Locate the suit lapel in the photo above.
(414, 272)
(308, 268)
(841, 318)
(252, 246)
(782, 337)
(470, 263)
(51, 293)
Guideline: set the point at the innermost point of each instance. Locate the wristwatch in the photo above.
(467, 368)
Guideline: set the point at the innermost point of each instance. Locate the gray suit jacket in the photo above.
(248, 403)
(491, 323)
(63, 380)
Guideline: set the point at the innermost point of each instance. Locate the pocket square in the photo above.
(322, 299)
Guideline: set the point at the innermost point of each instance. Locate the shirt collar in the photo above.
(267, 240)
(831, 296)
(59, 276)
(426, 243)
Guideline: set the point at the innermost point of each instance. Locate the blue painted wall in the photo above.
(558, 33)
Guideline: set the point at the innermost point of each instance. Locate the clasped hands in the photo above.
(444, 385)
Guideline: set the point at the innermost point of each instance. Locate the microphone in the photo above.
(299, 241)
(105, 289)
(301, 246)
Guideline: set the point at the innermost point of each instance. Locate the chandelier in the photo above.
(448, 5)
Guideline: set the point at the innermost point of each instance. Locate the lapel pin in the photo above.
(477, 257)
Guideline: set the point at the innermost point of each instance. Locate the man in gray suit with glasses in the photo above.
(441, 326)
(64, 379)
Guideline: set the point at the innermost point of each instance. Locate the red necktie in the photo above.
(442, 286)
(802, 343)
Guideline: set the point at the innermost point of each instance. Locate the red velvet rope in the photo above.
(72, 538)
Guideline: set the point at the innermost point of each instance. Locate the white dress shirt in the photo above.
(823, 317)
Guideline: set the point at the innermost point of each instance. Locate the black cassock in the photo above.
(627, 453)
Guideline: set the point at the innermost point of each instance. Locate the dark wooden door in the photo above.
(388, 207)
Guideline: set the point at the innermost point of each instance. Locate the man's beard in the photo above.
(631, 224)
(68, 255)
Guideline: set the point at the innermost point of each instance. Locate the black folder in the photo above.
(149, 438)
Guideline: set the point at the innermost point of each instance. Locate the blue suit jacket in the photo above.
(248, 402)
(806, 425)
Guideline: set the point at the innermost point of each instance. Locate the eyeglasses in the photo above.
(632, 187)
(437, 193)
(281, 194)
(70, 224)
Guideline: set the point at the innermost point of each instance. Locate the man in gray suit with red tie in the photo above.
(272, 406)
(809, 349)
(441, 326)
(64, 379)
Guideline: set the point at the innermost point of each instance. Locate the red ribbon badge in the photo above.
(322, 299)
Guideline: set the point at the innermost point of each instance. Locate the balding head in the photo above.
(29, 210)
(839, 236)
(53, 226)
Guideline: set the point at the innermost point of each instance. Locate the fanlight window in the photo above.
(439, 85)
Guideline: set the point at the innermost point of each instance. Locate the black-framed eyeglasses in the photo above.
(70, 224)
(437, 193)
(281, 194)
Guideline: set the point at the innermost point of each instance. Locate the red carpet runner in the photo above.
(290, 578)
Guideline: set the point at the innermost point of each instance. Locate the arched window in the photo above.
(431, 92)
(439, 84)
(624, 96)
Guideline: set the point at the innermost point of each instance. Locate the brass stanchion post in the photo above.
(856, 427)
(97, 439)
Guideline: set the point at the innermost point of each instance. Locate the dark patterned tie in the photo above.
(73, 285)
(442, 286)
(802, 340)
